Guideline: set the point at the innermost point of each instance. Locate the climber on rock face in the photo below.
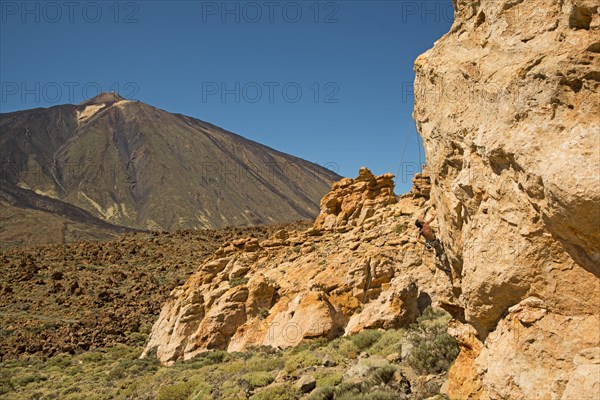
(425, 230)
(431, 241)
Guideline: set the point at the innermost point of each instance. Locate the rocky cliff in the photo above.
(358, 267)
(508, 106)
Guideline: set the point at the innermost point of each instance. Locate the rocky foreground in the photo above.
(358, 267)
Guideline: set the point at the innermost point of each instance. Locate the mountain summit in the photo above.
(137, 166)
(105, 97)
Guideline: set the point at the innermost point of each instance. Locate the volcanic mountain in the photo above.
(136, 166)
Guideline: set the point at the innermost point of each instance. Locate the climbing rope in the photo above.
(419, 149)
(419, 146)
(403, 152)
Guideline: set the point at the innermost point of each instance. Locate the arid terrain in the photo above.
(86, 295)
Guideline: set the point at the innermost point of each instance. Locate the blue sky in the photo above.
(328, 81)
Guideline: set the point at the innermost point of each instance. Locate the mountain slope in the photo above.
(29, 219)
(134, 165)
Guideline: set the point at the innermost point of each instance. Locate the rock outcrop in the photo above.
(358, 267)
(508, 106)
(352, 201)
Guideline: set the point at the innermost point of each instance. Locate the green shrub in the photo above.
(400, 228)
(263, 313)
(322, 393)
(230, 369)
(347, 388)
(312, 344)
(47, 326)
(328, 378)
(300, 360)
(382, 394)
(434, 317)
(60, 360)
(140, 366)
(380, 376)
(279, 392)
(206, 358)
(264, 363)
(267, 350)
(178, 391)
(258, 379)
(5, 385)
(121, 351)
(379, 394)
(116, 373)
(229, 389)
(202, 392)
(91, 357)
(72, 389)
(238, 281)
(434, 349)
(137, 338)
(27, 379)
(365, 339)
(216, 356)
(390, 342)
(348, 349)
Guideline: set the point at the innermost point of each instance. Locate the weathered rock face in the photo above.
(508, 105)
(352, 201)
(363, 270)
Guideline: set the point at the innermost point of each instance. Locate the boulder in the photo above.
(306, 384)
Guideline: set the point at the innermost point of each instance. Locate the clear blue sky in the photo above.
(328, 81)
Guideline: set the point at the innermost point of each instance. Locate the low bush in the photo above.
(322, 393)
(258, 379)
(434, 350)
(177, 391)
(31, 378)
(279, 392)
(238, 281)
(389, 342)
(365, 339)
(118, 372)
(347, 349)
(400, 228)
(300, 360)
(380, 376)
(328, 378)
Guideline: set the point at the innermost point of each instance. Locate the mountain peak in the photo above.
(104, 97)
(204, 157)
